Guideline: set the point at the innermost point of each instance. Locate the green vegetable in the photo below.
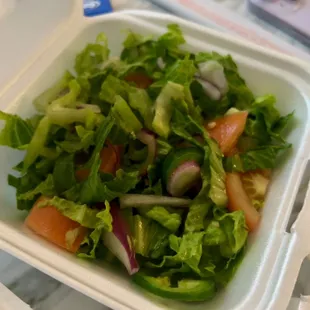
(149, 238)
(196, 215)
(37, 142)
(45, 188)
(139, 100)
(94, 54)
(186, 290)
(64, 173)
(17, 133)
(82, 140)
(214, 235)
(189, 251)
(169, 220)
(44, 99)
(81, 213)
(235, 230)
(125, 117)
(113, 87)
(262, 158)
(163, 108)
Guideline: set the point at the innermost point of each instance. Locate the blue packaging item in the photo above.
(97, 7)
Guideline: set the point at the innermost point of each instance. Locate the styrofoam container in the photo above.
(267, 275)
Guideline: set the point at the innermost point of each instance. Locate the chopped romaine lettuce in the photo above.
(163, 108)
(124, 116)
(81, 213)
(17, 133)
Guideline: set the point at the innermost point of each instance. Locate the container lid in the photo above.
(26, 27)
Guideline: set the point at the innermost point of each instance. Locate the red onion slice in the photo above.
(148, 138)
(183, 178)
(119, 241)
(209, 89)
(160, 63)
(136, 200)
(213, 72)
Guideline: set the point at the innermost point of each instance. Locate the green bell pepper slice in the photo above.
(186, 290)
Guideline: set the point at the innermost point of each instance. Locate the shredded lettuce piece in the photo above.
(82, 140)
(150, 239)
(260, 158)
(214, 234)
(139, 100)
(81, 213)
(163, 108)
(113, 87)
(43, 100)
(161, 215)
(235, 229)
(64, 173)
(125, 117)
(92, 56)
(37, 142)
(17, 133)
(45, 188)
(196, 215)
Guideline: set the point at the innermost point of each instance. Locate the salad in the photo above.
(158, 160)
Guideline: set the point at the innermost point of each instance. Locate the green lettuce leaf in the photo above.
(235, 229)
(225, 272)
(120, 185)
(64, 173)
(69, 99)
(261, 158)
(196, 215)
(164, 108)
(189, 252)
(150, 239)
(92, 240)
(43, 100)
(217, 174)
(81, 213)
(45, 188)
(135, 39)
(124, 116)
(161, 215)
(80, 141)
(92, 56)
(181, 72)
(112, 87)
(214, 234)
(264, 122)
(17, 133)
(101, 135)
(61, 116)
(139, 100)
(37, 142)
(173, 38)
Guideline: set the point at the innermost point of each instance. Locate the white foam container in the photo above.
(267, 275)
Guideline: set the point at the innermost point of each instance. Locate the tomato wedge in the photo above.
(110, 157)
(227, 130)
(49, 223)
(239, 200)
(255, 185)
(140, 79)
